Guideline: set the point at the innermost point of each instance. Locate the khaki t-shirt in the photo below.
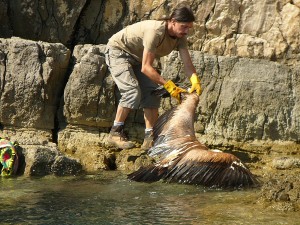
(148, 34)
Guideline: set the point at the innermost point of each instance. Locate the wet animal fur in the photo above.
(181, 158)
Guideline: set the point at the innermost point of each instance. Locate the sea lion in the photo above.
(181, 158)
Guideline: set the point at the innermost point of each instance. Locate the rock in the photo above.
(281, 191)
(284, 197)
(39, 160)
(255, 29)
(47, 160)
(86, 145)
(45, 21)
(63, 166)
(32, 81)
(240, 98)
(89, 93)
(290, 15)
(286, 163)
(27, 136)
(246, 54)
(132, 159)
(5, 29)
(89, 110)
(66, 22)
(239, 106)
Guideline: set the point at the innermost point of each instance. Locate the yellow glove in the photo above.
(174, 90)
(195, 84)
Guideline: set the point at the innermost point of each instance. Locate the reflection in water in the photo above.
(109, 198)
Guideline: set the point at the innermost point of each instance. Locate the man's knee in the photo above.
(131, 98)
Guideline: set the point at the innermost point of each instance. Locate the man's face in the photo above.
(181, 29)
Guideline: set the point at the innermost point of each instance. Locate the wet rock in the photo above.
(281, 191)
(46, 160)
(65, 166)
(39, 160)
(132, 159)
(86, 144)
(284, 197)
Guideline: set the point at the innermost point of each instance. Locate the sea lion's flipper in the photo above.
(147, 174)
(218, 170)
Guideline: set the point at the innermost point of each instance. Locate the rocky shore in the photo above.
(57, 98)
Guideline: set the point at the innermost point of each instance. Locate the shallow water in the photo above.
(109, 198)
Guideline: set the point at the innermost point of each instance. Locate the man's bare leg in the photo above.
(150, 116)
(122, 113)
(117, 137)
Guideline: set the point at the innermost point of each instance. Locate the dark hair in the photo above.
(183, 13)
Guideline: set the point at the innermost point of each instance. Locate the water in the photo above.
(109, 198)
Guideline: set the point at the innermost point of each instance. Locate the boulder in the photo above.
(47, 160)
(32, 80)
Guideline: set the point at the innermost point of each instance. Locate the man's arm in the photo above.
(190, 71)
(148, 70)
(189, 68)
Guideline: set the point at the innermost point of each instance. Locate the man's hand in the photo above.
(195, 84)
(174, 90)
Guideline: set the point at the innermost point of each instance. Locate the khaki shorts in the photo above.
(135, 87)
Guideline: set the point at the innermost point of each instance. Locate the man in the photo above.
(130, 55)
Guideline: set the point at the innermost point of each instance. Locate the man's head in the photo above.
(180, 21)
(183, 13)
